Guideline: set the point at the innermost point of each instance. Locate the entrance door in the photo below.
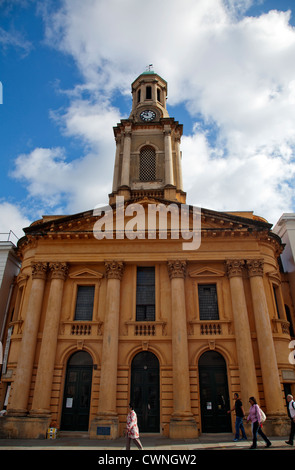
(77, 393)
(214, 393)
(145, 391)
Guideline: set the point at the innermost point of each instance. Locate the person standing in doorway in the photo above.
(240, 414)
(132, 432)
(256, 418)
(291, 409)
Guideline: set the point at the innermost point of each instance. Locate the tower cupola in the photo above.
(148, 156)
(149, 94)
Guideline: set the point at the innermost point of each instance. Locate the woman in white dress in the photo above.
(132, 432)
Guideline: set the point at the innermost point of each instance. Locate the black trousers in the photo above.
(257, 430)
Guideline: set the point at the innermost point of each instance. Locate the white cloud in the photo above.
(257, 182)
(232, 71)
(12, 217)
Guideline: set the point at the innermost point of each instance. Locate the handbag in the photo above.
(263, 415)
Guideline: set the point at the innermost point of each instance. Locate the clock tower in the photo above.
(148, 156)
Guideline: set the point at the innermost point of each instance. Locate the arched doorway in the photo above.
(214, 393)
(77, 393)
(144, 392)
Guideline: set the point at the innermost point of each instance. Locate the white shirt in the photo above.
(292, 408)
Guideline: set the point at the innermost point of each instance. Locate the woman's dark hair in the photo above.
(254, 400)
(131, 406)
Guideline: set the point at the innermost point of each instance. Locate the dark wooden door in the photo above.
(214, 394)
(145, 391)
(77, 397)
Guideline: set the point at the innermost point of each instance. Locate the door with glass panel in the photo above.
(77, 393)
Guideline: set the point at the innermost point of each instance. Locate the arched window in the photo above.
(147, 164)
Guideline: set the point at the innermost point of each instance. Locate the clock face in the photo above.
(147, 115)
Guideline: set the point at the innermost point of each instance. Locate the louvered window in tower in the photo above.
(147, 164)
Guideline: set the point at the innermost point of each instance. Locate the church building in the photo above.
(149, 300)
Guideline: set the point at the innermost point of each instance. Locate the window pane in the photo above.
(208, 304)
(145, 294)
(84, 303)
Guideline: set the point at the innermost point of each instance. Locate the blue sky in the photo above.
(66, 68)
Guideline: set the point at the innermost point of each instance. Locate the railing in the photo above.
(210, 328)
(80, 328)
(146, 328)
(9, 237)
(280, 326)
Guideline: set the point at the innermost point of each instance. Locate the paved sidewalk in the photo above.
(80, 441)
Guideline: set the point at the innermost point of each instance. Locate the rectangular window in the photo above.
(208, 304)
(84, 303)
(145, 294)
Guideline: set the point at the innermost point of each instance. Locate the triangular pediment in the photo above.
(206, 272)
(86, 273)
(137, 219)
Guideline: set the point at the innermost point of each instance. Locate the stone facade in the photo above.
(249, 334)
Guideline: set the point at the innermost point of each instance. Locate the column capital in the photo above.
(39, 270)
(59, 270)
(114, 269)
(176, 268)
(234, 267)
(255, 267)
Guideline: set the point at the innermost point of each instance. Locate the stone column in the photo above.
(179, 183)
(43, 386)
(116, 167)
(182, 423)
(168, 156)
(22, 382)
(107, 411)
(268, 361)
(245, 354)
(126, 158)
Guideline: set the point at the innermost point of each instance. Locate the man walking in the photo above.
(291, 409)
(238, 408)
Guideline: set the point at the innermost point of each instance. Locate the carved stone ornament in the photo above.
(176, 269)
(255, 267)
(39, 270)
(59, 270)
(234, 267)
(114, 269)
